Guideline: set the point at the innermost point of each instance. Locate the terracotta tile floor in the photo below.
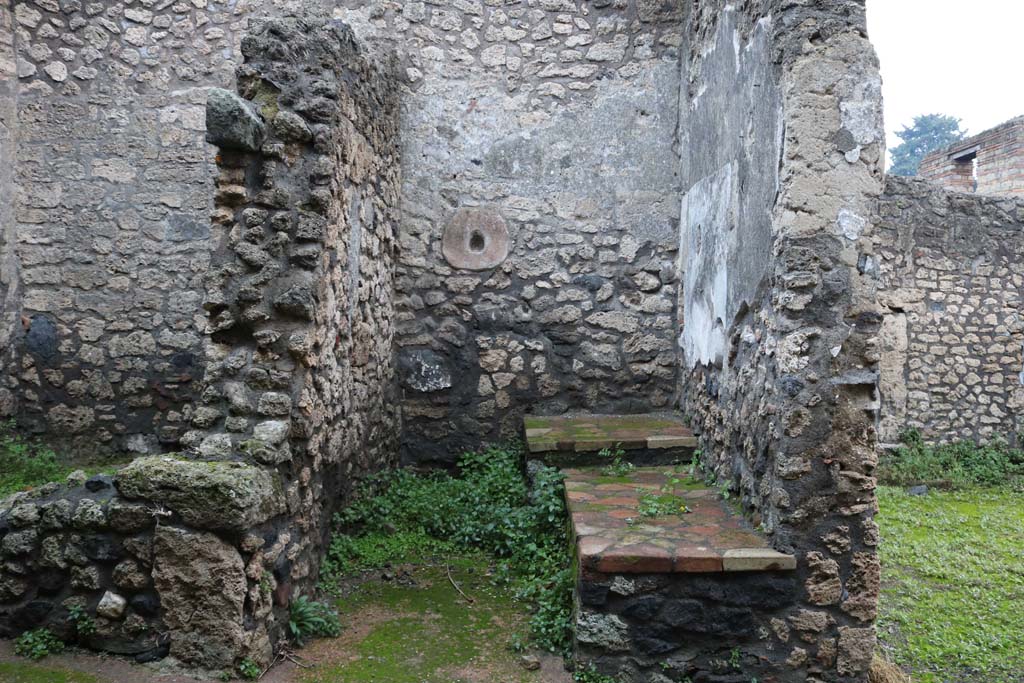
(613, 536)
(596, 432)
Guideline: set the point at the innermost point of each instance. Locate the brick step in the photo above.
(579, 439)
(690, 587)
(613, 535)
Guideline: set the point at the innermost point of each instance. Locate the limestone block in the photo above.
(606, 631)
(207, 495)
(111, 606)
(201, 583)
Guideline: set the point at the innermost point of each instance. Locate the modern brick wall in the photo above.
(988, 163)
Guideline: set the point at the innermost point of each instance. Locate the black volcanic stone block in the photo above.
(593, 594)
(683, 613)
(643, 608)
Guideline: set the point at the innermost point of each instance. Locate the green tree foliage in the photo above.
(928, 133)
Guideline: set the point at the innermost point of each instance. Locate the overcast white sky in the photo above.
(964, 58)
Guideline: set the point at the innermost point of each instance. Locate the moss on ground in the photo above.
(953, 584)
(34, 673)
(423, 631)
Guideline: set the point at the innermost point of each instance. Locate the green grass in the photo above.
(26, 463)
(403, 516)
(423, 630)
(952, 607)
(959, 464)
(32, 673)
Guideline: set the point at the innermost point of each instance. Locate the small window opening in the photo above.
(966, 164)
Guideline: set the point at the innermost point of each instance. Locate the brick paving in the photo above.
(582, 433)
(614, 537)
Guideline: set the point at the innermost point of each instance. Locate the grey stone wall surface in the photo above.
(614, 206)
(557, 118)
(198, 556)
(780, 319)
(9, 280)
(110, 232)
(952, 269)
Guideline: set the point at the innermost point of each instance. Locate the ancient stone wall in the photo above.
(301, 374)
(198, 556)
(9, 280)
(952, 268)
(780, 318)
(653, 628)
(110, 231)
(990, 163)
(549, 128)
(173, 561)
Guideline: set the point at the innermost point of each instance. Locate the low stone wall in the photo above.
(172, 560)
(952, 272)
(199, 556)
(690, 593)
(656, 628)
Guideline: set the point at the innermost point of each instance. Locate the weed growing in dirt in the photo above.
(23, 463)
(249, 670)
(618, 467)
(310, 619)
(962, 463)
(400, 516)
(82, 623)
(591, 675)
(37, 644)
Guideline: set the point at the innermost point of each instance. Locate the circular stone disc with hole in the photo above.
(475, 239)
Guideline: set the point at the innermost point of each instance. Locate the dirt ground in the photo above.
(413, 627)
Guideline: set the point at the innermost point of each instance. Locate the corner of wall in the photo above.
(198, 555)
(786, 403)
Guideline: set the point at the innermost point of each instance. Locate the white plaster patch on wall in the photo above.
(1021, 377)
(862, 113)
(738, 48)
(850, 224)
(759, 40)
(708, 221)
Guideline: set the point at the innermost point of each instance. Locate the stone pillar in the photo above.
(199, 555)
(782, 151)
